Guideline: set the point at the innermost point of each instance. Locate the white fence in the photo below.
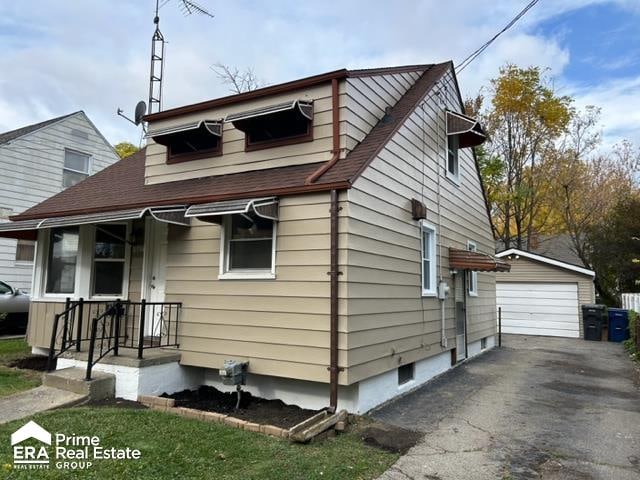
(631, 301)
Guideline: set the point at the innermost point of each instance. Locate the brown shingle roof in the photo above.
(121, 185)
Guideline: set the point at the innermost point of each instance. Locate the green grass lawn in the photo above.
(13, 380)
(175, 447)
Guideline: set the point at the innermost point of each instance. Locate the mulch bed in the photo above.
(35, 362)
(252, 409)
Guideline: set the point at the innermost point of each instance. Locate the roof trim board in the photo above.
(547, 260)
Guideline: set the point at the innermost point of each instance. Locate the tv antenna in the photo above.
(187, 7)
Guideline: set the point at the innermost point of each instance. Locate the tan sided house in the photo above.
(332, 232)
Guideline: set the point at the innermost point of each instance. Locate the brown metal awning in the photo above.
(475, 261)
(467, 129)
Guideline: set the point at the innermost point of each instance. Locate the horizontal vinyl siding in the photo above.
(389, 322)
(526, 270)
(280, 326)
(365, 103)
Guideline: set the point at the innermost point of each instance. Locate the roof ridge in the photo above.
(27, 129)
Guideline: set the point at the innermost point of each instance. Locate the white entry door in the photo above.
(155, 264)
(539, 308)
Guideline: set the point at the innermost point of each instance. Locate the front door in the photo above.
(461, 320)
(155, 262)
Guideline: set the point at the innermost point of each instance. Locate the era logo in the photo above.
(27, 454)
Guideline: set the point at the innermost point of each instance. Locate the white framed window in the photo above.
(89, 261)
(109, 260)
(473, 276)
(62, 261)
(76, 167)
(453, 163)
(249, 247)
(25, 251)
(429, 267)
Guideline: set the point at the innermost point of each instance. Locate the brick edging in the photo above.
(168, 405)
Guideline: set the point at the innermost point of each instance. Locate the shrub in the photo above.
(631, 345)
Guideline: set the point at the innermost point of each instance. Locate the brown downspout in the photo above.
(335, 114)
(334, 370)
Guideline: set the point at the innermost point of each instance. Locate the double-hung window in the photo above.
(473, 276)
(109, 260)
(429, 266)
(453, 167)
(249, 248)
(62, 260)
(76, 167)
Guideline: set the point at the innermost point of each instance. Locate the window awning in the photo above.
(163, 135)
(301, 107)
(475, 261)
(26, 229)
(263, 207)
(468, 130)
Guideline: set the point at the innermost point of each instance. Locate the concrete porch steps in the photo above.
(101, 386)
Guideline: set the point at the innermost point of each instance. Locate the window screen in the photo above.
(452, 155)
(109, 259)
(62, 260)
(250, 243)
(76, 168)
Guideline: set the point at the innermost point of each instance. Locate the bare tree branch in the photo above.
(239, 81)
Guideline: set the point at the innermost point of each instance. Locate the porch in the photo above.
(90, 331)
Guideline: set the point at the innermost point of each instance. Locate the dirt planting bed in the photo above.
(34, 362)
(252, 409)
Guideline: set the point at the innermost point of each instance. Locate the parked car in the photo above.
(14, 309)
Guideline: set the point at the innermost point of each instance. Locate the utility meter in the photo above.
(234, 372)
(443, 290)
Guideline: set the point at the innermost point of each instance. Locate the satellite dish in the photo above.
(141, 110)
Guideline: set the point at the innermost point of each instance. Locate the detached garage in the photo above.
(542, 295)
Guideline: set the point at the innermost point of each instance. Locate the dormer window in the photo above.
(191, 141)
(275, 125)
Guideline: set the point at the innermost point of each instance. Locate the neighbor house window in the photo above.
(109, 259)
(428, 259)
(249, 244)
(25, 251)
(453, 167)
(62, 260)
(76, 167)
(473, 276)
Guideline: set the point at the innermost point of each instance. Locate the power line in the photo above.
(467, 61)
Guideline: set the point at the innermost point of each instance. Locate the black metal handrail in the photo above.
(138, 325)
(69, 329)
(105, 329)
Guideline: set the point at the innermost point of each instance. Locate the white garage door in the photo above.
(539, 308)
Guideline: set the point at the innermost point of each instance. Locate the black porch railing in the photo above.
(115, 324)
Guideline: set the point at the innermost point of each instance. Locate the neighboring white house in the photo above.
(38, 161)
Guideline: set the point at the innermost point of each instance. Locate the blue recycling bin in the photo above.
(618, 325)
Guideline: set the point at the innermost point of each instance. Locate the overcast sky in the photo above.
(58, 56)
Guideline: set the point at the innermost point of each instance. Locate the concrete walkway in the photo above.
(39, 399)
(539, 407)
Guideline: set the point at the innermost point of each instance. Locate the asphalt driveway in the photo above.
(538, 407)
